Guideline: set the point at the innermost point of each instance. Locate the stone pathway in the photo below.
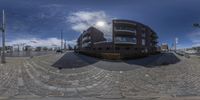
(36, 77)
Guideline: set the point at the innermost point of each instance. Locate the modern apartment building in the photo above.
(129, 39)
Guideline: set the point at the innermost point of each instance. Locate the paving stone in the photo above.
(37, 77)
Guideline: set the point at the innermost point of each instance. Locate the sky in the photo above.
(43, 20)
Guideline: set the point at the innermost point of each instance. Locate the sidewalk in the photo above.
(133, 98)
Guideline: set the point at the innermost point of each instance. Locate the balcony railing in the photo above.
(86, 39)
(154, 36)
(125, 40)
(125, 29)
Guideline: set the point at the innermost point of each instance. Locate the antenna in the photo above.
(61, 39)
(3, 26)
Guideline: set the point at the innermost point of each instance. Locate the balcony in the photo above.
(154, 36)
(86, 39)
(154, 42)
(125, 40)
(125, 22)
(125, 29)
(86, 44)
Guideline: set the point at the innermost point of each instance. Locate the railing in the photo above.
(182, 53)
(125, 40)
(125, 30)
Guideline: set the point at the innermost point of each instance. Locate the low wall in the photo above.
(115, 56)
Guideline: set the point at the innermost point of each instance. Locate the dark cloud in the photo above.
(45, 18)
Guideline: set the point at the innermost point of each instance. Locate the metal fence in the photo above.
(28, 53)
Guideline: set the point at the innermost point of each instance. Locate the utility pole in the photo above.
(61, 36)
(65, 46)
(113, 33)
(3, 59)
(175, 44)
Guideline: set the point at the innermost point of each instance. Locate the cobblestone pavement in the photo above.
(164, 75)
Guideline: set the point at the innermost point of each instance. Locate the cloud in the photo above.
(82, 20)
(195, 38)
(49, 42)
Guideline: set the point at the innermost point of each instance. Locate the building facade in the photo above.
(88, 38)
(164, 47)
(129, 39)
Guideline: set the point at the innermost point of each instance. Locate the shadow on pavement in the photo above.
(74, 60)
(155, 60)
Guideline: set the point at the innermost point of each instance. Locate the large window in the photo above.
(143, 42)
(143, 35)
(86, 38)
(87, 44)
(120, 39)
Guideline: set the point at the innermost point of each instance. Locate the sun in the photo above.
(100, 23)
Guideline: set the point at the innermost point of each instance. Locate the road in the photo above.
(80, 77)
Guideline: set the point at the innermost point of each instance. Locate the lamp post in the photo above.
(61, 38)
(3, 59)
(113, 35)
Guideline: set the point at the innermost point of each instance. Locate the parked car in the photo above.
(59, 51)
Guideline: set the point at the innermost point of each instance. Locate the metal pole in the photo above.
(65, 45)
(61, 40)
(3, 60)
(113, 35)
(175, 45)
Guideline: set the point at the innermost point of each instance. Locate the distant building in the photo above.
(197, 49)
(129, 39)
(8, 49)
(158, 49)
(193, 50)
(28, 48)
(164, 47)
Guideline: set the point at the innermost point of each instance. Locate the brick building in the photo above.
(129, 39)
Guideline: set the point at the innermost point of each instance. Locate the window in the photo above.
(146, 50)
(86, 38)
(143, 41)
(143, 35)
(142, 50)
(86, 44)
(135, 49)
(117, 48)
(127, 48)
(126, 39)
(107, 48)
